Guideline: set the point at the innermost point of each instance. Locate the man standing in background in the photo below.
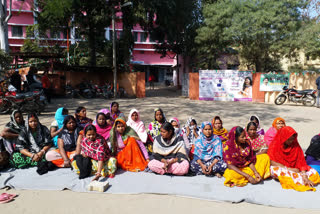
(318, 87)
(46, 84)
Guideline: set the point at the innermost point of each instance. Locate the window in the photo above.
(17, 31)
(135, 36)
(143, 37)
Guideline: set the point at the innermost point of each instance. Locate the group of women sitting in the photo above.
(98, 147)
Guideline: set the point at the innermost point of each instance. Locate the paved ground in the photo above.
(304, 119)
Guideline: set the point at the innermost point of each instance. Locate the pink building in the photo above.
(144, 56)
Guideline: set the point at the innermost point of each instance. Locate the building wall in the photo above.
(301, 81)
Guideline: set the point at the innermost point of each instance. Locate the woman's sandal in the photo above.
(5, 197)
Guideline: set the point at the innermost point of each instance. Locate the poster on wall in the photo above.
(273, 82)
(225, 85)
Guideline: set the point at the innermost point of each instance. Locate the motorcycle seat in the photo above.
(20, 96)
(305, 91)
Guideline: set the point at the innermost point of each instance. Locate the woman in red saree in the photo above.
(288, 164)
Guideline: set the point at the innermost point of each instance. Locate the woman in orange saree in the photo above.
(130, 151)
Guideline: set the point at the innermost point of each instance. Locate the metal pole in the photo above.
(114, 56)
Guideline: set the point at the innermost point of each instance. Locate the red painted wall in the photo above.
(141, 85)
(257, 95)
(194, 86)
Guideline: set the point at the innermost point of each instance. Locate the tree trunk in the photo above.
(4, 42)
(258, 65)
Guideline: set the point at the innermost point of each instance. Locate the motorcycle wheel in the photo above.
(87, 95)
(280, 100)
(5, 107)
(309, 100)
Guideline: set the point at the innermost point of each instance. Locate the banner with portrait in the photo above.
(225, 85)
(273, 82)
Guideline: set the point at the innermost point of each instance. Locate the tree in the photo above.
(262, 31)
(4, 18)
(173, 24)
(89, 17)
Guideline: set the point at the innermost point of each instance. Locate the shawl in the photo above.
(174, 119)
(34, 143)
(13, 125)
(59, 118)
(232, 153)
(173, 148)
(69, 139)
(222, 133)
(97, 149)
(154, 126)
(292, 156)
(137, 126)
(260, 130)
(105, 111)
(128, 132)
(191, 136)
(314, 148)
(104, 131)
(207, 148)
(117, 114)
(81, 123)
(271, 133)
(257, 142)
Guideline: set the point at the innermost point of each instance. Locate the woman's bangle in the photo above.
(33, 154)
(98, 173)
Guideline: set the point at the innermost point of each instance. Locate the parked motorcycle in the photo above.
(25, 102)
(86, 90)
(71, 92)
(306, 97)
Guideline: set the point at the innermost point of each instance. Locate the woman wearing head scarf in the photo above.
(128, 148)
(9, 136)
(10, 133)
(169, 153)
(218, 129)
(57, 125)
(255, 119)
(313, 153)
(277, 124)
(208, 153)
(33, 143)
(107, 113)
(67, 141)
(137, 125)
(178, 131)
(103, 125)
(155, 125)
(114, 111)
(288, 164)
(191, 130)
(243, 165)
